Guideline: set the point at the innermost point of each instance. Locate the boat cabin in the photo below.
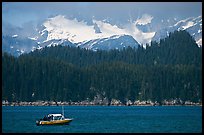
(51, 117)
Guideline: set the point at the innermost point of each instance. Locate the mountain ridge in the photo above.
(59, 28)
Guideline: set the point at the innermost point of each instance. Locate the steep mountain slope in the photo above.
(113, 42)
(16, 46)
(94, 35)
(193, 25)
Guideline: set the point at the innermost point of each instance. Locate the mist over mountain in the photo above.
(94, 23)
(61, 29)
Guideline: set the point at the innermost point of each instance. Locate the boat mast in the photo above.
(63, 111)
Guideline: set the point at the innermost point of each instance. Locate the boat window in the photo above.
(57, 117)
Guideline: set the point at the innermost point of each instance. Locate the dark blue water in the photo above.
(105, 119)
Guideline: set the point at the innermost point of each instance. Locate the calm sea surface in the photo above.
(105, 119)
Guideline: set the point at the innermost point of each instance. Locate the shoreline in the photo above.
(52, 103)
(102, 105)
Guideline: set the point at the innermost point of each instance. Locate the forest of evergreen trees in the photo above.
(166, 70)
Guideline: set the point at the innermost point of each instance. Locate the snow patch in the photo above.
(199, 42)
(167, 33)
(33, 49)
(188, 25)
(60, 27)
(117, 36)
(22, 51)
(181, 21)
(108, 29)
(39, 47)
(14, 36)
(34, 38)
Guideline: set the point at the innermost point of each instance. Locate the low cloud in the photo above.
(145, 19)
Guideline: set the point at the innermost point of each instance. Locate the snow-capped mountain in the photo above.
(193, 25)
(55, 42)
(113, 42)
(95, 34)
(16, 45)
(60, 27)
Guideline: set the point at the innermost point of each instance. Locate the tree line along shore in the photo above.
(169, 72)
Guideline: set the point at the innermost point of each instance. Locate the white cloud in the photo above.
(76, 31)
(129, 29)
(145, 19)
(140, 36)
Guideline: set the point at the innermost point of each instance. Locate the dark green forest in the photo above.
(168, 69)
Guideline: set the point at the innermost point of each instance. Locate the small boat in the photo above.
(53, 119)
